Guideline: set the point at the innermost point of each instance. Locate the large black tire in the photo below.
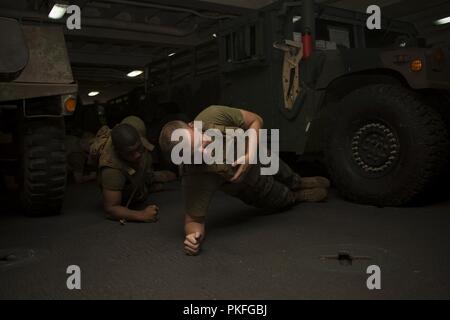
(385, 147)
(440, 101)
(44, 167)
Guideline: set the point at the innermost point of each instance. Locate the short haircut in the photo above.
(124, 137)
(165, 141)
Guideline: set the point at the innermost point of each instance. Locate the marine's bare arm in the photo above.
(115, 211)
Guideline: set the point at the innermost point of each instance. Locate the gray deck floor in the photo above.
(247, 254)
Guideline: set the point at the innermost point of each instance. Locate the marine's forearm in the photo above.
(253, 145)
(123, 213)
(194, 224)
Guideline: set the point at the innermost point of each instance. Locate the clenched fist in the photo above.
(192, 243)
(150, 214)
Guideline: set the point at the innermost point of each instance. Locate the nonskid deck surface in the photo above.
(302, 253)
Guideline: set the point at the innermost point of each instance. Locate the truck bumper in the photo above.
(11, 91)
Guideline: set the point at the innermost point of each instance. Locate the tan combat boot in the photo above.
(311, 195)
(314, 182)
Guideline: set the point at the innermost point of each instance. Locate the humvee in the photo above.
(36, 91)
(372, 104)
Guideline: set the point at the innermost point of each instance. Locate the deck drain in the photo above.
(14, 257)
(345, 258)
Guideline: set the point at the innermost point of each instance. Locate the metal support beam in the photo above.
(99, 59)
(203, 6)
(169, 8)
(105, 35)
(110, 24)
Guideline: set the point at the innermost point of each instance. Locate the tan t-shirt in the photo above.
(199, 186)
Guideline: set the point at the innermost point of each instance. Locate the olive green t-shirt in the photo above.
(112, 179)
(116, 180)
(222, 115)
(199, 187)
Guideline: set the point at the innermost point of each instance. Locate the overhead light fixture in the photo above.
(214, 35)
(58, 11)
(442, 21)
(296, 19)
(135, 73)
(93, 93)
(172, 54)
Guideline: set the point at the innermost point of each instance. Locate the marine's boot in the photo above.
(314, 182)
(296, 182)
(311, 195)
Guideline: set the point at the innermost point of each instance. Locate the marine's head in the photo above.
(127, 142)
(137, 123)
(165, 137)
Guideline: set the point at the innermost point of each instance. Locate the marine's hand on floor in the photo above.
(192, 244)
(150, 214)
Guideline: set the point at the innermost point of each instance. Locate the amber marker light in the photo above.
(70, 105)
(416, 65)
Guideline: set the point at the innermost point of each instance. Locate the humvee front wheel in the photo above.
(44, 167)
(385, 146)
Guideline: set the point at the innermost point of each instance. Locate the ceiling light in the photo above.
(172, 54)
(296, 19)
(58, 11)
(135, 73)
(442, 21)
(93, 93)
(214, 35)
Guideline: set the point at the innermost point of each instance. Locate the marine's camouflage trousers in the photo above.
(269, 192)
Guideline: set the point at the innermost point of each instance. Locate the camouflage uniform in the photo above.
(200, 182)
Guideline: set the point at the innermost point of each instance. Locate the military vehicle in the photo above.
(371, 104)
(36, 91)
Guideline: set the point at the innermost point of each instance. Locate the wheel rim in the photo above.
(375, 148)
